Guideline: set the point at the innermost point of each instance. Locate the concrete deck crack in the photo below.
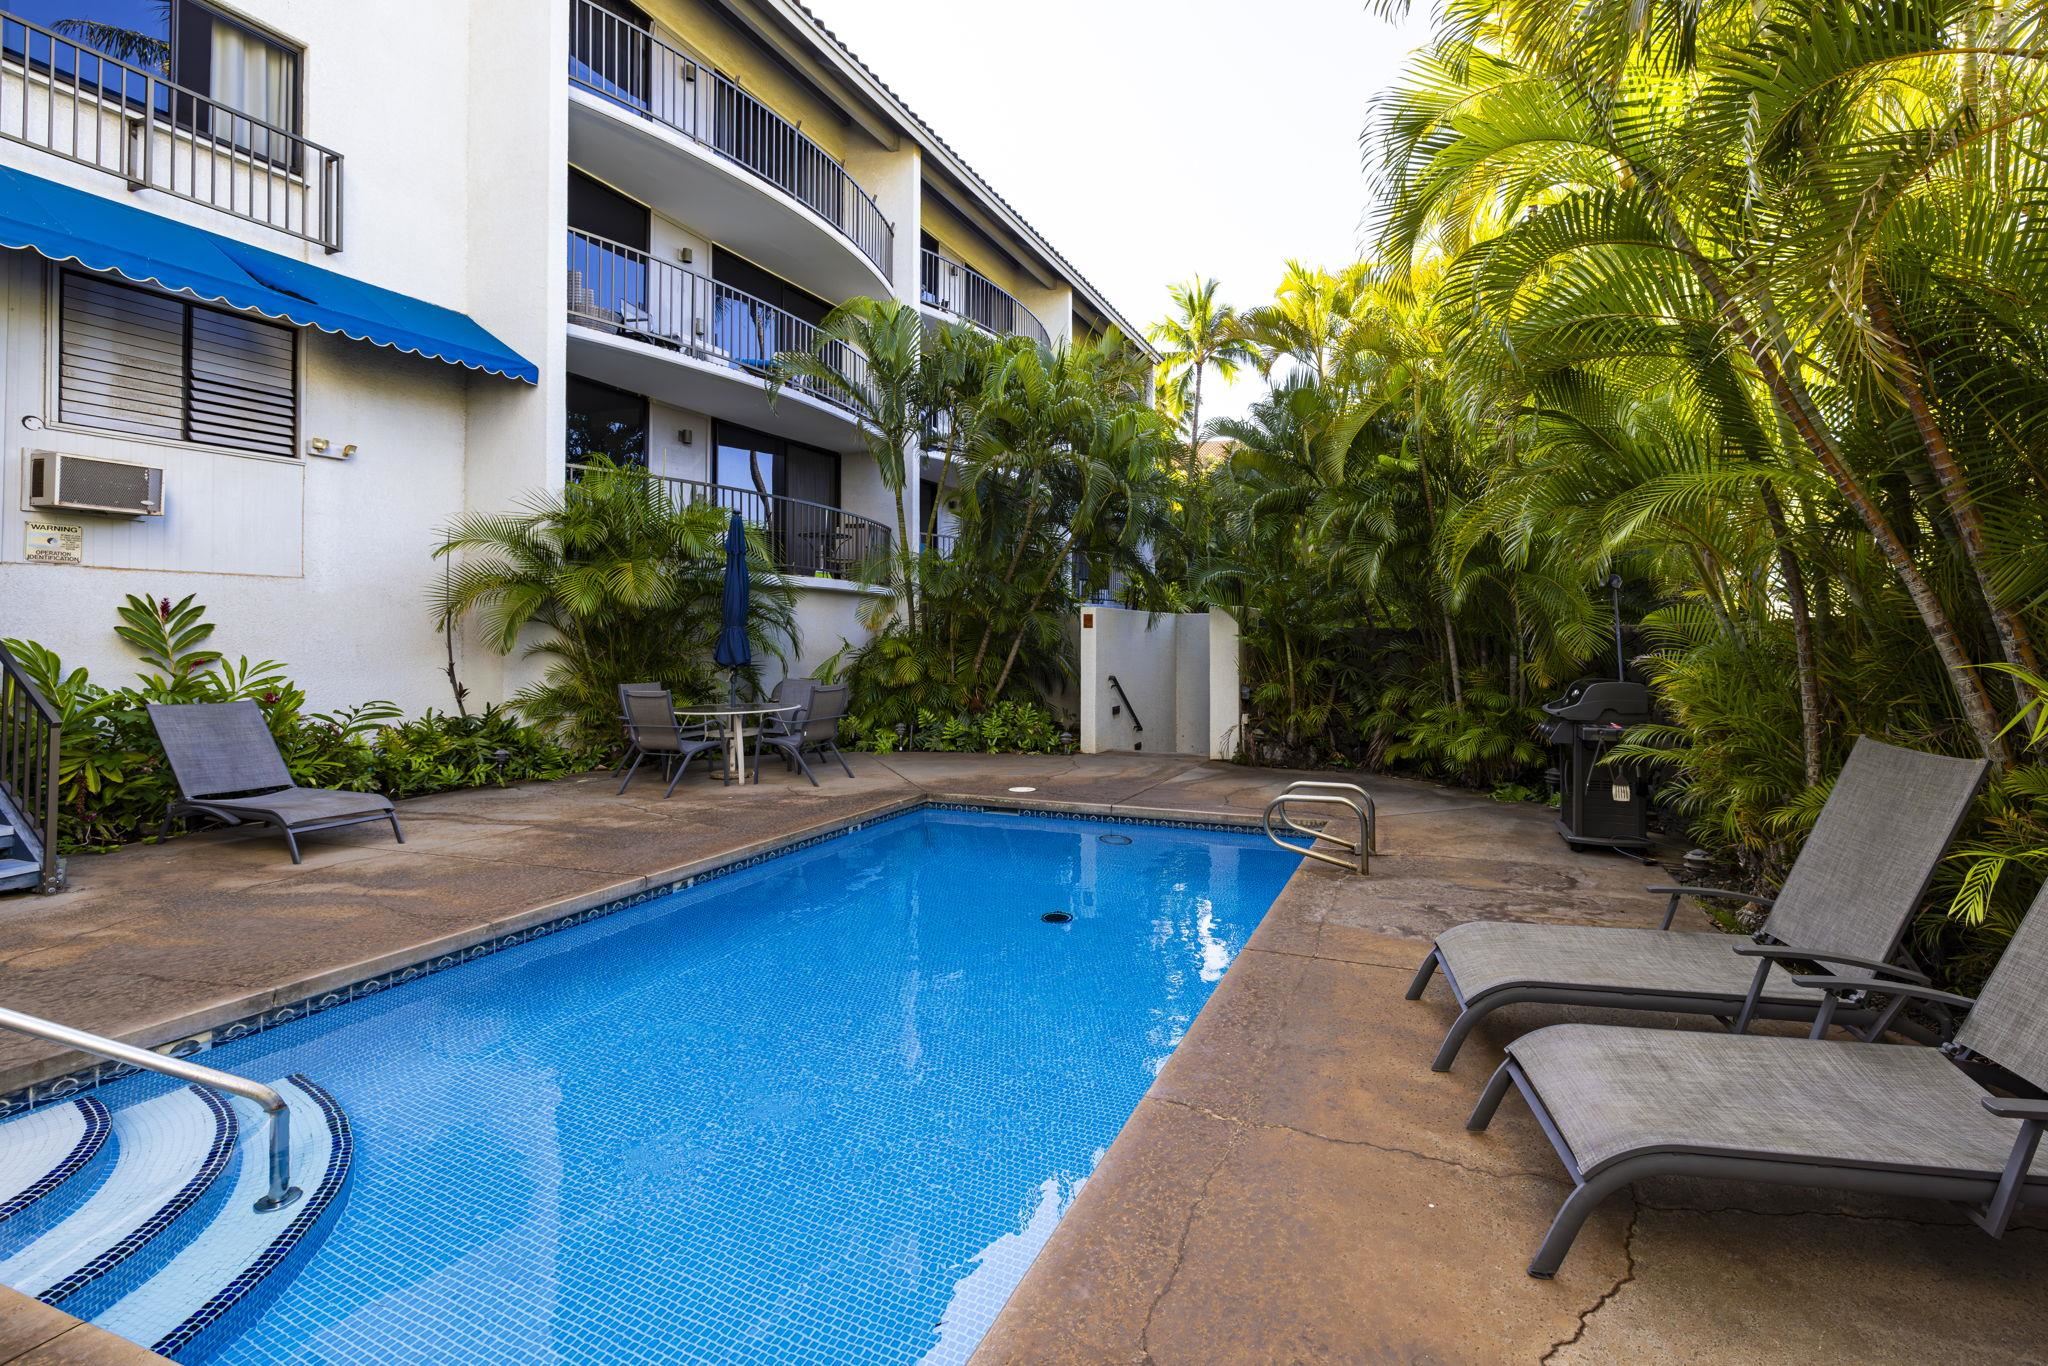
(1180, 1250)
(1549, 1177)
(1628, 1249)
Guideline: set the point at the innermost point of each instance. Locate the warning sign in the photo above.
(53, 542)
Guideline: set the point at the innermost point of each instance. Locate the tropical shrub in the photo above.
(608, 581)
(114, 784)
(1003, 728)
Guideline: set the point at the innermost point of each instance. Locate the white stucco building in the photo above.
(317, 278)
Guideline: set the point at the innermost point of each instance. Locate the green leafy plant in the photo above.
(114, 784)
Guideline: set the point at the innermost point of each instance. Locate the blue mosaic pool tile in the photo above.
(821, 1108)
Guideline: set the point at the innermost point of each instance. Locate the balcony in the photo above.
(963, 291)
(698, 148)
(805, 538)
(71, 101)
(652, 327)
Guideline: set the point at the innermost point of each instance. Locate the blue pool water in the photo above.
(826, 1109)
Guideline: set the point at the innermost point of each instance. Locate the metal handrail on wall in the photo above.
(31, 752)
(618, 61)
(1352, 798)
(619, 289)
(954, 287)
(281, 1191)
(86, 107)
(805, 537)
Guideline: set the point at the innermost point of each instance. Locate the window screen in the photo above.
(133, 361)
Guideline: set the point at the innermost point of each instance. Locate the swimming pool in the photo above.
(824, 1109)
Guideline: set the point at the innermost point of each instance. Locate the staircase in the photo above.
(174, 1219)
(21, 859)
(31, 744)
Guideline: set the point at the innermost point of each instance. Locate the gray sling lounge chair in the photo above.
(1621, 1104)
(652, 732)
(227, 766)
(814, 730)
(1845, 904)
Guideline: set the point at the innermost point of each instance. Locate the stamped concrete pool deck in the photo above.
(1296, 1186)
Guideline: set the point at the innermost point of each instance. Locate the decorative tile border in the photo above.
(72, 1084)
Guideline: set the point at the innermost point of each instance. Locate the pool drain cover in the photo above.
(1056, 917)
(1114, 839)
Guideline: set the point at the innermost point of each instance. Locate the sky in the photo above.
(1151, 139)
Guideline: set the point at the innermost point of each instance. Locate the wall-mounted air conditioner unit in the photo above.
(77, 483)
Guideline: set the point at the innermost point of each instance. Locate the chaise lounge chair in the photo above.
(1621, 1104)
(1845, 904)
(227, 766)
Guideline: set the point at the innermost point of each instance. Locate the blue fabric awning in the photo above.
(104, 234)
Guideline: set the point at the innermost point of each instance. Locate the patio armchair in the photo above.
(648, 713)
(1845, 904)
(812, 730)
(1622, 1104)
(226, 766)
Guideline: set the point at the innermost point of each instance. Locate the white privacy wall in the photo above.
(1179, 673)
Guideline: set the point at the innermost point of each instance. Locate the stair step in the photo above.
(167, 1153)
(45, 1148)
(19, 872)
(242, 1255)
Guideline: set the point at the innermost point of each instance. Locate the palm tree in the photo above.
(1201, 334)
(621, 584)
(871, 355)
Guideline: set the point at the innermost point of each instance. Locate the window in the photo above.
(234, 66)
(150, 365)
(606, 421)
(772, 467)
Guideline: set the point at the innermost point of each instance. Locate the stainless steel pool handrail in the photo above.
(282, 1192)
(1364, 804)
(1361, 860)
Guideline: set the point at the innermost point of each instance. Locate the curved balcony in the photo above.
(703, 151)
(965, 292)
(660, 330)
(805, 537)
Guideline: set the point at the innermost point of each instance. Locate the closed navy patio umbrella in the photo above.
(733, 651)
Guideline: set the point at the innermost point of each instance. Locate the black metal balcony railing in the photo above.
(616, 59)
(617, 289)
(75, 102)
(805, 537)
(963, 290)
(942, 543)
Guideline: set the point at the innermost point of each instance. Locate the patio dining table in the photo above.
(732, 723)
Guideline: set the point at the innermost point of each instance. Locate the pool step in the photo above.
(168, 1154)
(165, 1245)
(46, 1148)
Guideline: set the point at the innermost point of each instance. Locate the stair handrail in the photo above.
(1361, 860)
(1136, 724)
(31, 749)
(282, 1192)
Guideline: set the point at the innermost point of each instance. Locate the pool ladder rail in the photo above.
(1352, 798)
(157, 1220)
